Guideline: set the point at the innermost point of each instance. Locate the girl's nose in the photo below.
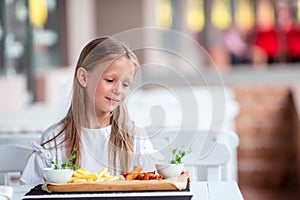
(116, 88)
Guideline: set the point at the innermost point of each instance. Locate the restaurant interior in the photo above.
(240, 57)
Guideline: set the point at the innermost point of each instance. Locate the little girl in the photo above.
(97, 123)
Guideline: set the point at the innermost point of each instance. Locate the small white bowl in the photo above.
(57, 175)
(169, 170)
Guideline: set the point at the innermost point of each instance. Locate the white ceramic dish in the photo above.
(57, 175)
(169, 170)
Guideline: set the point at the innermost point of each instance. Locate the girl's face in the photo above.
(112, 85)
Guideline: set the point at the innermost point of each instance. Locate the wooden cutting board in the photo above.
(112, 186)
(117, 186)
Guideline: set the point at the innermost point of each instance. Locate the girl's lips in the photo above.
(112, 100)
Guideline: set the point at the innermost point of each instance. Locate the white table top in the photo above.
(200, 190)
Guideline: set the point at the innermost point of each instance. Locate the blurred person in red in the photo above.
(265, 41)
(276, 43)
(288, 33)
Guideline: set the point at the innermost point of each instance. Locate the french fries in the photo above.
(83, 176)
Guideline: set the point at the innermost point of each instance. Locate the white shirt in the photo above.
(94, 152)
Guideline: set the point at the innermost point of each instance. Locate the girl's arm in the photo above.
(40, 158)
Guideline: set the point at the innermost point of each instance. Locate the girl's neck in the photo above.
(104, 121)
(96, 120)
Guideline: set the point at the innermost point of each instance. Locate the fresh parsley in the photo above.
(178, 154)
(68, 164)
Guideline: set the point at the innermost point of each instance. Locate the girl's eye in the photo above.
(126, 84)
(109, 80)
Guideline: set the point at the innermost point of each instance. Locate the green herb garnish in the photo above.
(68, 164)
(178, 154)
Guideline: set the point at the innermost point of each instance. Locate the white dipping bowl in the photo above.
(57, 175)
(169, 170)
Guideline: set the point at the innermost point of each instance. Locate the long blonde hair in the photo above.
(98, 51)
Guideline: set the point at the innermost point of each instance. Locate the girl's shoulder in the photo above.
(137, 131)
(142, 143)
(134, 129)
(52, 131)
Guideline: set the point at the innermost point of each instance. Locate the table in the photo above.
(213, 190)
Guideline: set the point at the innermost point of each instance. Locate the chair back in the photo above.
(210, 152)
(19, 138)
(206, 160)
(13, 159)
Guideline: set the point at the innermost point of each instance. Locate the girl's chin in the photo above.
(111, 108)
(107, 108)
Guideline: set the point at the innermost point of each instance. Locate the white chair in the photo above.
(195, 140)
(19, 138)
(13, 159)
(206, 160)
(231, 140)
(230, 170)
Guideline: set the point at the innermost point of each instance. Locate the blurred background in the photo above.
(253, 44)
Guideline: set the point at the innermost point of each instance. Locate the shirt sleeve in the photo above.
(39, 159)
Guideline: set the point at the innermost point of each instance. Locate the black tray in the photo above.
(38, 193)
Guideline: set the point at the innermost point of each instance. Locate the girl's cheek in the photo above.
(124, 94)
(102, 87)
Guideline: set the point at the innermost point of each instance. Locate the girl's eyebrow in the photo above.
(127, 80)
(109, 74)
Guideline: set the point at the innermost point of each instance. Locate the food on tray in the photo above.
(134, 182)
(137, 174)
(81, 175)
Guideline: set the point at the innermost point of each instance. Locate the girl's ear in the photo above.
(82, 76)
